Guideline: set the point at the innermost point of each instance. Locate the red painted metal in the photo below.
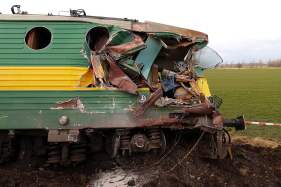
(120, 79)
(152, 99)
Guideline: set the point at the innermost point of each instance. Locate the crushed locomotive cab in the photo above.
(108, 84)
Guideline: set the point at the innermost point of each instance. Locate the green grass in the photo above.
(255, 93)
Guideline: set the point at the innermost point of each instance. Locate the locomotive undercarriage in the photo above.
(71, 146)
(117, 143)
(23, 144)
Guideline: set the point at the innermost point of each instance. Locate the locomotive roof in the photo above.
(134, 25)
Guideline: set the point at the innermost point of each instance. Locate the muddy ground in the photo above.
(250, 166)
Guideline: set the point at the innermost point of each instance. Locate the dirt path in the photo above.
(250, 166)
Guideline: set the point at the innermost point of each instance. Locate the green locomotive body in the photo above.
(103, 83)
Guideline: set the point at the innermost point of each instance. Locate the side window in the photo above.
(38, 38)
(97, 37)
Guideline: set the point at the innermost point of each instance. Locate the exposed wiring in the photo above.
(229, 138)
(187, 153)
(169, 151)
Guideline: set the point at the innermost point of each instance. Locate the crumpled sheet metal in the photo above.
(189, 90)
(182, 44)
(98, 71)
(87, 78)
(95, 60)
(209, 129)
(119, 78)
(150, 101)
(196, 88)
(127, 48)
(149, 26)
(177, 76)
(217, 118)
(202, 109)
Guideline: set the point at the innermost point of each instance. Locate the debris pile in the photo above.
(131, 60)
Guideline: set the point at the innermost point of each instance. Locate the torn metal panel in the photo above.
(149, 26)
(204, 87)
(181, 65)
(123, 50)
(189, 90)
(182, 93)
(195, 87)
(141, 82)
(199, 71)
(84, 53)
(120, 37)
(201, 109)
(132, 72)
(217, 119)
(148, 55)
(98, 70)
(119, 78)
(87, 79)
(151, 100)
(209, 129)
(191, 69)
(182, 78)
(182, 44)
(95, 60)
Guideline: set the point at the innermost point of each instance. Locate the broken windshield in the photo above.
(207, 58)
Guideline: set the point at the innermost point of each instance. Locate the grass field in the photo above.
(255, 93)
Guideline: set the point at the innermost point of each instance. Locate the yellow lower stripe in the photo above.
(43, 78)
(61, 88)
(40, 78)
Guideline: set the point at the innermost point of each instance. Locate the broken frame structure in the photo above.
(77, 84)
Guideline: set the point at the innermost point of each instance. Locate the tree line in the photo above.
(260, 63)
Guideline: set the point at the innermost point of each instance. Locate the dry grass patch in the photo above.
(257, 141)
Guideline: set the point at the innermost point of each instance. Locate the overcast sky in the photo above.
(237, 30)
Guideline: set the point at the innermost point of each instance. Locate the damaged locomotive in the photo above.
(76, 84)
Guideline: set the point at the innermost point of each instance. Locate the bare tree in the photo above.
(239, 65)
(226, 62)
(261, 64)
(250, 64)
(243, 63)
(231, 63)
(269, 63)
